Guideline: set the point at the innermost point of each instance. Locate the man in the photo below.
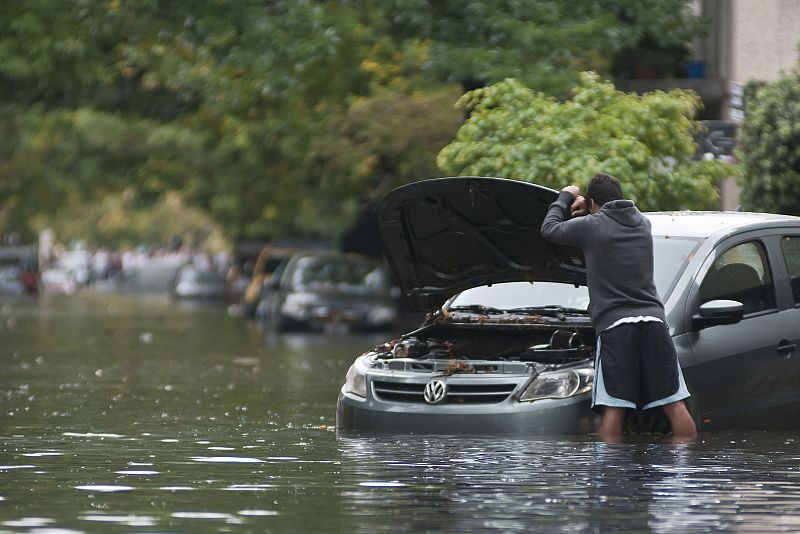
(636, 365)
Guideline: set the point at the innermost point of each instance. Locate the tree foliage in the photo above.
(279, 117)
(216, 99)
(770, 147)
(646, 141)
(544, 43)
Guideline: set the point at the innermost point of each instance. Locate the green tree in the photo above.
(769, 147)
(384, 141)
(543, 43)
(273, 117)
(646, 141)
(219, 100)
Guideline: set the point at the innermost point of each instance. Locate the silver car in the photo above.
(508, 346)
(314, 290)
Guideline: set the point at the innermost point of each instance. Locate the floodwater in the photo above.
(121, 413)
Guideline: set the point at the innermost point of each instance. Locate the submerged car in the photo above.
(19, 269)
(58, 281)
(315, 289)
(11, 281)
(193, 282)
(79, 263)
(508, 345)
(271, 256)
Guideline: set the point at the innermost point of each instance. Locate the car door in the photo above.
(787, 248)
(742, 376)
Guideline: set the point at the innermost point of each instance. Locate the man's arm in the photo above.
(557, 225)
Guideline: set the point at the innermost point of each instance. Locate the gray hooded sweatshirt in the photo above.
(618, 247)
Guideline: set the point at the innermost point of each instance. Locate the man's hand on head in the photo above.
(579, 207)
(573, 189)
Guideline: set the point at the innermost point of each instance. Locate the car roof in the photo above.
(703, 224)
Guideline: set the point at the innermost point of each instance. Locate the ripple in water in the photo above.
(382, 484)
(258, 512)
(92, 435)
(100, 488)
(29, 522)
(249, 487)
(6, 467)
(228, 518)
(128, 520)
(227, 459)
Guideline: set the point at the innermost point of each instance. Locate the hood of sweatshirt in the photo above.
(445, 235)
(623, 211)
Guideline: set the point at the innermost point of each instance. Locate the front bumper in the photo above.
(546, 416)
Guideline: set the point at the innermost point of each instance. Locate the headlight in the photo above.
(559, 384)
(356, 381)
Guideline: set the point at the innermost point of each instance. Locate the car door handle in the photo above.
(785, 346)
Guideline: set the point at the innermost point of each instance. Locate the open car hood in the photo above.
(445, 235)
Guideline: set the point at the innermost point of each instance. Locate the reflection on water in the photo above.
(557, 485)
(125, 414)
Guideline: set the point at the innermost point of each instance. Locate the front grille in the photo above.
(456, 394)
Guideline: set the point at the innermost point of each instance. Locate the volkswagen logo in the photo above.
(435, 391)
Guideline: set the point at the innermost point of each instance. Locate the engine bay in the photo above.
(544, 344)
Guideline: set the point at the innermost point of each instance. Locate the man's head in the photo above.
(603, 188)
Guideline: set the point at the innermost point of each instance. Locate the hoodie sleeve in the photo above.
(557, 225)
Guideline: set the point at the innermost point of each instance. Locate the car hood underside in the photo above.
(445, 235)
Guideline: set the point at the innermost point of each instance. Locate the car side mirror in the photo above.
(717, 312)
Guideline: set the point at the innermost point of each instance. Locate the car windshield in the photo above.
(340, 275)
(671, 256)
(510, 295)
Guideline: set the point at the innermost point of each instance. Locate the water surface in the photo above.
(135, 414)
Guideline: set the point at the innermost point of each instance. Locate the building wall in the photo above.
(764, 38)
(758, 39)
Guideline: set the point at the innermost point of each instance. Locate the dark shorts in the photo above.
(637, 367)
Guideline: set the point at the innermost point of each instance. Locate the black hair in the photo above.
(603, 188)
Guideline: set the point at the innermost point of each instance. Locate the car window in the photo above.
(742, 273)
(790, 245)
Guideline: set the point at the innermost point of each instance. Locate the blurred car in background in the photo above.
(269, 258)
(192, 282)
(313, 289)
(58, 281)
(240, 271)
(155, 277)
(19, 265)
(79, 263)
(11, 281)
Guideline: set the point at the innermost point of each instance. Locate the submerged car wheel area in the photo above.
(508, 346)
